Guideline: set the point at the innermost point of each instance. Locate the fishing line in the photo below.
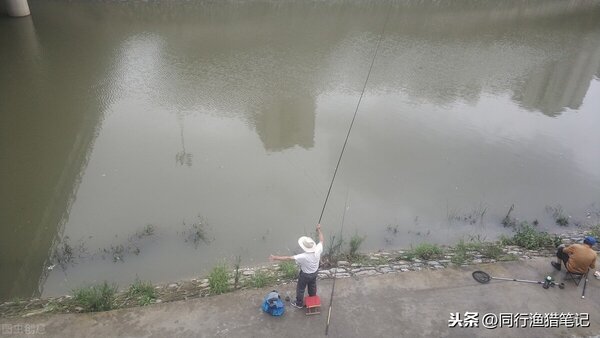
(342, 153)
(356, 111)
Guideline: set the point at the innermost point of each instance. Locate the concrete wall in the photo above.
(17, 8)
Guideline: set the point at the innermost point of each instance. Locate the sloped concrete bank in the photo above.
(371, 264)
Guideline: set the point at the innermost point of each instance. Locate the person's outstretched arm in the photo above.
(321, 239)
(281, 258)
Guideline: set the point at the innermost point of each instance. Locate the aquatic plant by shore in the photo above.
(218, 279)
(529, 237)
(355, 243)
(289, 269)
(262, 278)
(142, 291)
(558, 214)
(95, 297)
(427, 251)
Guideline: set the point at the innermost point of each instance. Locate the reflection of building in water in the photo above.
(543, 53)
(285, 122)
(561, 84)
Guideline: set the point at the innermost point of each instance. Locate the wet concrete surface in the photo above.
(405, 304)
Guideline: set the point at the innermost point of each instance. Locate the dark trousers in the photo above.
(561, 255)
(304, 280)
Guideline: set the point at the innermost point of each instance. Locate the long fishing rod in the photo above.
(342, 153)
(336, 269)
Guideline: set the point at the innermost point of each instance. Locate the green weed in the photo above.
(463, 251)
(595, 231)
(558, 214)
(96, 297)
(261, 279)
(289, 269)
(460, 253)
(407, 256)
(508, 221)
(427, 251)
(355, 243)
(197, 232)
(143, 291)
(218, 279)
(236, 268)
(334, 250)
(527, 236)
(491, 250)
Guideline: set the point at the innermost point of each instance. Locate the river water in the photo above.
(157, 139)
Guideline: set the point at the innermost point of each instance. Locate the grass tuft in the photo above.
(96, 297)
(595, 231)
(333, 251)
(355, 243)
(218, 279)
(261, 279)
(143, 291)
(427, 251)
(236, 271)
(527, 236)
(460, 253)
(289, 269)
(508, 221)
(558, 214)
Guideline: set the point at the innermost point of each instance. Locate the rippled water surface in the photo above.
(158, 139)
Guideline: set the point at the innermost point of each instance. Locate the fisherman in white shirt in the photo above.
(309, 264)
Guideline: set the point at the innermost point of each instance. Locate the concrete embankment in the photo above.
(399, 304)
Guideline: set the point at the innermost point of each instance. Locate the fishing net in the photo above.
(481, 277)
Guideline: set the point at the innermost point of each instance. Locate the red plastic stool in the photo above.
(313, 305)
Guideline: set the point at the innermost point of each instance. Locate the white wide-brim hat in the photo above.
(307, 244)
